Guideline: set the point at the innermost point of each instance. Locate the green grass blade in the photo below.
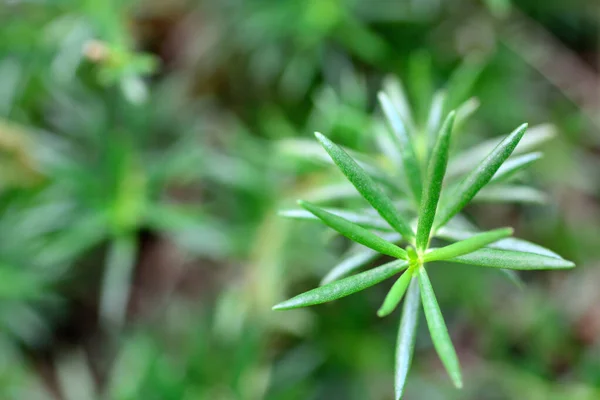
(468, 245)
(508, 259)
(366, 187)
(364, 220)
(514, 165)
(435, 177)
(355, 259)
(407, 334)
(355, 232)
(437, 329)
(405, 145)
(392, 299)
(344, 287)
(479, 177)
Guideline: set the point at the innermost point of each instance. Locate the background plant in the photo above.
(196, 80)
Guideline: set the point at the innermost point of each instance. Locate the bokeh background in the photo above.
(146, 147)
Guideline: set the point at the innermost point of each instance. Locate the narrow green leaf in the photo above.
(363, 220)
(510, 194)
(513, 244)
(515, 164)
(407, 334)
(355, 258)
(354, 232)
(437, 329)
(404, 143)
(508, 259)
(468, 245)
(434, 119)
(435, 178)
(367, 188)
(479, 177)
(420, 84)
(343, 287)
(392, 299)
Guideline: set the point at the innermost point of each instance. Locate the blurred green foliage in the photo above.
(146, 147)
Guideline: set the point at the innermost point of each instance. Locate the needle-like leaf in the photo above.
(343, 287)
(366, 187)
(395, 294)
(468, 245)
(479, 177)
(508, 259)
(355, 232)
(437, 329)
(435, 178)
(407, 333)
(355, 259)
(404, 143)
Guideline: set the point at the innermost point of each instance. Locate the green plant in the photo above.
(424, 159)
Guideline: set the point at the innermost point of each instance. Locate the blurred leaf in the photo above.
(515, 164)
(510, 194)
(356, 258)
(468, 159)
(509, 259)
(404, 143)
